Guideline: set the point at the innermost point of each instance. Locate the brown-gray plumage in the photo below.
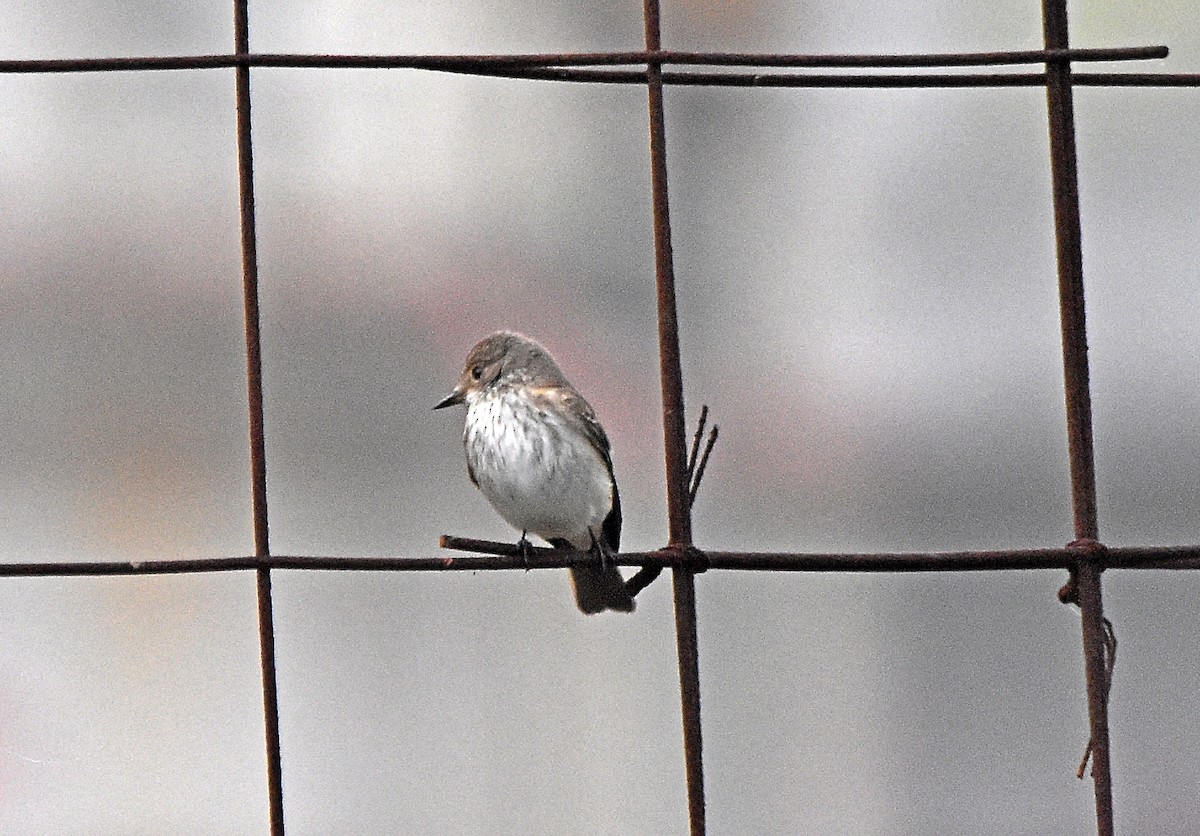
(538, 453)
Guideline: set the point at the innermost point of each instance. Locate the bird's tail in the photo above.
(599, 588)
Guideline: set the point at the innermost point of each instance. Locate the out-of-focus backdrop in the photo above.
(868, 304)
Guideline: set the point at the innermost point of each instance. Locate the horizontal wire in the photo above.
(487, 64)
(583, 75)
(506, 556)
(330, 61)
(864, 80)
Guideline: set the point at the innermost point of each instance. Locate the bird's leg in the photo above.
(526, 550)
(601, 550)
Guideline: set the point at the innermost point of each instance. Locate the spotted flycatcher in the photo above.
(536, 450)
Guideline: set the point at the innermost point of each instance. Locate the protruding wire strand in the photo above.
(696, 438)
(708, 448)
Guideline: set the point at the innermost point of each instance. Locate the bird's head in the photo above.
(499, 358)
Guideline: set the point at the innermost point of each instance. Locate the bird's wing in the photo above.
(578, 414)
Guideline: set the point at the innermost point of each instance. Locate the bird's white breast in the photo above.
(539, 473)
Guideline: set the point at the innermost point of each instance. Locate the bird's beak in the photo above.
(453, 399)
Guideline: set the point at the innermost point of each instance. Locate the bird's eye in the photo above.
(476, 372)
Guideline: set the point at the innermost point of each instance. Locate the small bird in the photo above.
(538, 453)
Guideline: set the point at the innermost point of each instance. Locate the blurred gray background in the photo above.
(868, 302)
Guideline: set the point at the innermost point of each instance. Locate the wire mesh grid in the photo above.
(1084, 559)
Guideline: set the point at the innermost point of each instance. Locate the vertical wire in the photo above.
(674, 435)
(1086, 577)
(258, 456)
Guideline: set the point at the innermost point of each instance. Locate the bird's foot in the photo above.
(525, 550)
(602, 552)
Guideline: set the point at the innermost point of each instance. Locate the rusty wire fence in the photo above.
(1084, 559)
